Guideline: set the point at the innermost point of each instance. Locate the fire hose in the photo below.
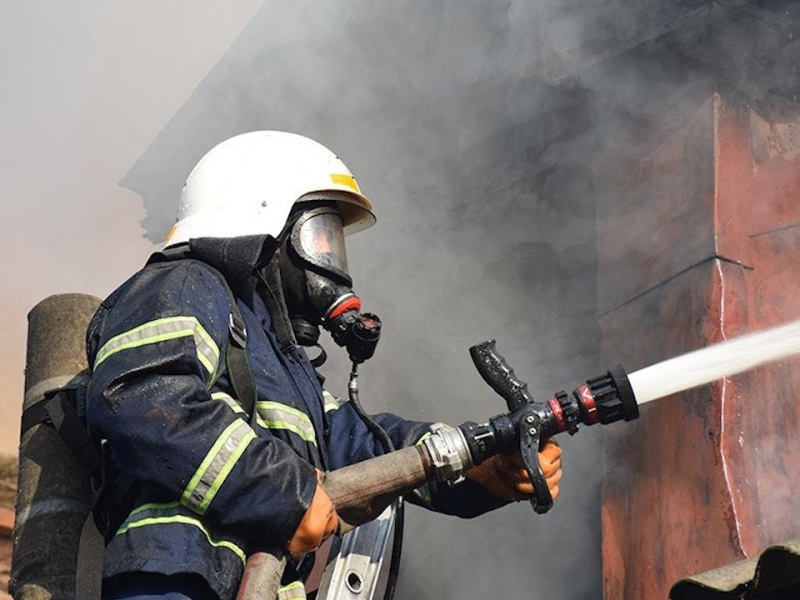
(360, 492)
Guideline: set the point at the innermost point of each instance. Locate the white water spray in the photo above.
(715, 362)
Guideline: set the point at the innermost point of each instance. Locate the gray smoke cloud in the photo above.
(476, 128)
(485, 230)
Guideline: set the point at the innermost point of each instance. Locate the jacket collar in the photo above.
(236, 258)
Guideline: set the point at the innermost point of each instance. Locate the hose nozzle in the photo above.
(612, 396)
(604, 399)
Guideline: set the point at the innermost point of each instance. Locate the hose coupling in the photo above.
(448, 452)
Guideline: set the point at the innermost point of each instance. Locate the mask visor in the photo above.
(318, 237)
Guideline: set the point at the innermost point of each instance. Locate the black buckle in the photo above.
(238, 331)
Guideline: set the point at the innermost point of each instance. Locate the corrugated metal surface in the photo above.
(772, 576)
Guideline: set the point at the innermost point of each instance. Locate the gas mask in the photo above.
(318, 288)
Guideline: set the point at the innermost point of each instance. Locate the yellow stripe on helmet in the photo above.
(345, 180)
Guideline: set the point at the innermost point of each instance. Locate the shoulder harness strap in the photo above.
(237, 361)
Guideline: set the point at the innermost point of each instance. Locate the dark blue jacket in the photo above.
(210, 489)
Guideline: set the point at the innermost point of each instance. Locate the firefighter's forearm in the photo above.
(362, 491)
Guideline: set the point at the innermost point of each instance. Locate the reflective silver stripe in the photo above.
(160, 330)
(151, 514)
(273, 415)
(235, 406)
(332, 402)
(280, 416)
(229, 400)
(216, 466)
(294, 591)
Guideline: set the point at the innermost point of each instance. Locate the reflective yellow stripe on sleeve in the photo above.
(153, 514)
(280, 416)
(274, 415)
(216, 466)
(161, 330)
(293, 591)
(235, 406)
(332, 402)
(229, 400)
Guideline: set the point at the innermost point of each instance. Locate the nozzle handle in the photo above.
(530, 437)
(501, 378)
(499, 375)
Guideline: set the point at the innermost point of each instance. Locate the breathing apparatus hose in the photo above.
(386, 441)
(375, 429)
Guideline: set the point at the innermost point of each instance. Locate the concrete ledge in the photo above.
(775, 574)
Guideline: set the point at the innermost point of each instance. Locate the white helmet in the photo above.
(248, 184)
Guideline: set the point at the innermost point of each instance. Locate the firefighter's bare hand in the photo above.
(504, 475)
(319, 523)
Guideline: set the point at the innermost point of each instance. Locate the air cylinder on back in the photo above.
(53, 496)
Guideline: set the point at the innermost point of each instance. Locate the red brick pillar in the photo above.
(699, 241)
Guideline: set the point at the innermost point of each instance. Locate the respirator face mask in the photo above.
(318, 288)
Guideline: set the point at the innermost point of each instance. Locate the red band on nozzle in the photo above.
(587, 399)
(558, 414)
(352, 303)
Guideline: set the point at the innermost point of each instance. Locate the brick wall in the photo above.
(710, 476)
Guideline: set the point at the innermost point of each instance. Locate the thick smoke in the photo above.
(486, 229)
(475, 127)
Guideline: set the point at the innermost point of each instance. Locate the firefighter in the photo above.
(257, 260)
